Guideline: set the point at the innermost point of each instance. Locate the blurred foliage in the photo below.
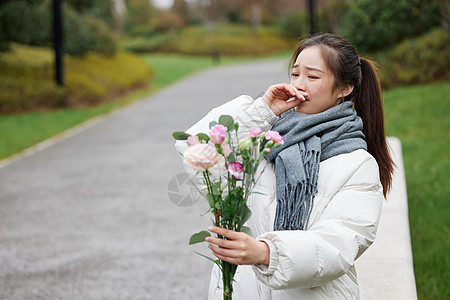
(31, 24)
(168, 21)
(295, 25)
(417, 60)
(26, 23)
(26, 79)
(138, 17)
(375, 25)
(222, 40)
(84, 34)
(100, 9)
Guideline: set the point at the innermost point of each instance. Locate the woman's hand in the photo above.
(239, 249)
(276, 97)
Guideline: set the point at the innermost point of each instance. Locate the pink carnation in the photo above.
(226, 149)
(274, 136)
(255, 131)
(201, 157)
(217, 134)
(235, 169)
(193, 140)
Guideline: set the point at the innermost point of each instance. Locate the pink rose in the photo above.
(235, 169)
(226, 149)
(274, 136)
(193, 140)
(201, 157)
(217, 134)
(255, 131)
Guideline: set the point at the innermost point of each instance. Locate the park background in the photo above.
(116, 52)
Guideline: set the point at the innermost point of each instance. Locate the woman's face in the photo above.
(311, 75)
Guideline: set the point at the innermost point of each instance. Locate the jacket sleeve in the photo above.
(244, 110)
(329, 248)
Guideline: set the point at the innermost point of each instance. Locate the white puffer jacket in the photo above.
(317, 263)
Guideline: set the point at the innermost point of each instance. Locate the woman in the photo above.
(316, 208)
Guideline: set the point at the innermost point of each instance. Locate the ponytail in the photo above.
(368, 105)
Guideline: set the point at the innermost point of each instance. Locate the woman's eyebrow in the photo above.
(309, 68)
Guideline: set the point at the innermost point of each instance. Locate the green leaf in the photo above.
(180, 135)
(203, 137)
(227, 121)
(211, 200)
(216, 189)
(199, 237)
(217, 262)
(232, 157)
(212, 123)
(247, 230)
(246, 215)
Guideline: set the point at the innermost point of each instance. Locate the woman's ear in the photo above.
(345, 91)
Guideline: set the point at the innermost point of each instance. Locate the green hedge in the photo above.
(419, 60)
(26, 79)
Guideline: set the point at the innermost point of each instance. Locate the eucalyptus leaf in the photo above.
(180, 135)
(232, 157)
(211, 124)
(199, 237)
(203, 137)
(227, 121)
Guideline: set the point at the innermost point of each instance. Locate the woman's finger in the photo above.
(232, 235)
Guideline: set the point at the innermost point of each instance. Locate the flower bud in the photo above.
(245, 144)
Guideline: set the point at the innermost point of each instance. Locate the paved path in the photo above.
(90, 218)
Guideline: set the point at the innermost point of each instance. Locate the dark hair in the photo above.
(349, 69)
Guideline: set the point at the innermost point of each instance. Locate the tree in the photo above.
(375, 25)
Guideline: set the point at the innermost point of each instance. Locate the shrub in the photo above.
(84, 34)
(26, 23)
(26, 79)
(418, 60)
(30, 24)
(375, 25)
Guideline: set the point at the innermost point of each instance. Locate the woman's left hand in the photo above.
(239, 249)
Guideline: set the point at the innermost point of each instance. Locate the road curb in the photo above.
(385, 270)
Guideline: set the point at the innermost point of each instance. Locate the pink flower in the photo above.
(217, 134)
(226, 149)
(235, 169)
(255, 131)
(193, 140)
(201, 156)
(274, 136)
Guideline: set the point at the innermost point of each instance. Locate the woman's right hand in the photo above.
(277, 95)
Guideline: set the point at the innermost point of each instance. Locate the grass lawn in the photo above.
(419, 116)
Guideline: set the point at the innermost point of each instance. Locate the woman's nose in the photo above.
(298, 82)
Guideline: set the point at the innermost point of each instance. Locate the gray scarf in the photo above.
(308, 140)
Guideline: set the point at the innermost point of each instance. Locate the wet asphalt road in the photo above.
(90, 216)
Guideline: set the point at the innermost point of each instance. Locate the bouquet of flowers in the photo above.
(227, 194)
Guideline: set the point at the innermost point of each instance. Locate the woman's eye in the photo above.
(313, 77)
(294, 75)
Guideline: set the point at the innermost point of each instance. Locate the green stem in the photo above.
(228, 271)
